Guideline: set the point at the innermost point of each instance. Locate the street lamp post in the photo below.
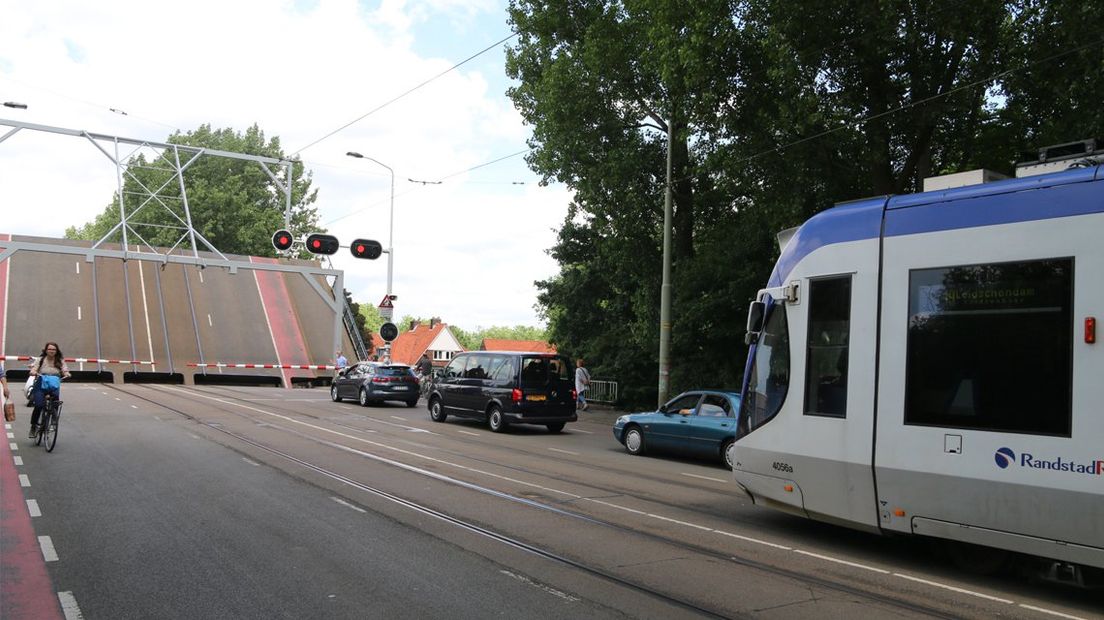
(391, 221)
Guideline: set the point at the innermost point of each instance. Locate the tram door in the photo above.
(829, 406)
(977, 359)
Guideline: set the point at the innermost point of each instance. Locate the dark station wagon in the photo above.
(372, 382)
(506, 387)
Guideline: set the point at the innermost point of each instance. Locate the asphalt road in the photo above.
(173, 502)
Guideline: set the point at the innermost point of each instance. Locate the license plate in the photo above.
(401, 387)
(536, 397)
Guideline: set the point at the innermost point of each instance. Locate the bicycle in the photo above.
(48, 423)
(425, 385)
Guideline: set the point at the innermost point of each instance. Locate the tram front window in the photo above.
(770, 373)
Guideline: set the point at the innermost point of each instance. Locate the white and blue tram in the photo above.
(927, 364)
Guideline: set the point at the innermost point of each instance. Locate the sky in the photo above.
(467, 250)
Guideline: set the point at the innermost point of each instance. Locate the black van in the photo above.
(506, 387)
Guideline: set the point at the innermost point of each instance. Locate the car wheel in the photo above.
(412, 403)
(436, 411)
(333, 394)
(728, 452)
(634, 440)
(496, 420)
(363, 397)
(556, 427)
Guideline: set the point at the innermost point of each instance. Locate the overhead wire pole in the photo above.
(390, 234)
(665, 289)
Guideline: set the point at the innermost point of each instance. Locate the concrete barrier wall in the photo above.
(178, 314)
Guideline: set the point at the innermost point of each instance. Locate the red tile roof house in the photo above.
(526, 346)
(435, 340)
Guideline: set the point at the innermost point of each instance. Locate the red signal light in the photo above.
(366, 248)
(1090, 330)
(282, 240)
(318, 243)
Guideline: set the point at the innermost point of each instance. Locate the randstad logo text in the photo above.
(1006, 457)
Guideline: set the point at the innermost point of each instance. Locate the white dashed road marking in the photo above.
(24, 481)
(1052, 613)
(952, 588)
(69, 606)
(839, 561)
(707, 478)
(564, 451)
(471, 433)
(549, 589)
(253, 463)
(47, 546)
(18, 460)
(348, 505)
(32, 507)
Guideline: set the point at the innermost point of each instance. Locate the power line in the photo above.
(424, 183)
(394, 99)
(493, 161)
(90, 103)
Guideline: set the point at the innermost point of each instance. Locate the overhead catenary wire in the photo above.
(423, 184)
(400, 96)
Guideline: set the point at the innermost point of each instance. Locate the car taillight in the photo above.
(574, 395)
(515, 395)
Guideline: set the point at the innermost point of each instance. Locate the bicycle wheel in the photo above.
(52, 431)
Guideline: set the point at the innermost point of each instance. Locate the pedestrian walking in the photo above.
(582, 380)
(340, 362)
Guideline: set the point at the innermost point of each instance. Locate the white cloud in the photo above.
(467, 250)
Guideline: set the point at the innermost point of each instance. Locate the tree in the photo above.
(360, 316)
(779, 110)
(601, 83)
(372, 319)
(234, 203)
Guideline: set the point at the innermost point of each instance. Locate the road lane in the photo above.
(148, 521)
(639, 518)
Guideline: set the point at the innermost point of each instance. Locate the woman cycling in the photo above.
(48, 373)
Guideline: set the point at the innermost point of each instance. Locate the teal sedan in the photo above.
(698, 422)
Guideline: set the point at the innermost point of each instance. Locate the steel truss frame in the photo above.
(178, 158)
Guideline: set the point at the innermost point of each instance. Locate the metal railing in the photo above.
(602, 392)
(349, 319)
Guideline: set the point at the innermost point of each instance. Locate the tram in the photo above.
(928, 364)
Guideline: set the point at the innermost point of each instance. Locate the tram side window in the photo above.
(990, 347)
(827, 346)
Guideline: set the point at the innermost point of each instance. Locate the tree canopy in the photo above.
(234, 203)
(778, 109)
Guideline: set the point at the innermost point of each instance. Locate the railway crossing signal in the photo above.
(318, 243)
(366, 248)
(282, 240)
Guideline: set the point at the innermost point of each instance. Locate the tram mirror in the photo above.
(756, 310)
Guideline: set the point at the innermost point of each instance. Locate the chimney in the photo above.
(414, 324)
(434, 321)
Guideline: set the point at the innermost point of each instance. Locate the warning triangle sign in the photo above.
(386, 303)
